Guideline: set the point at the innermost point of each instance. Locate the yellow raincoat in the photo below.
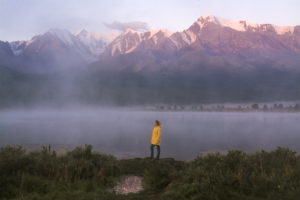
(156, 135)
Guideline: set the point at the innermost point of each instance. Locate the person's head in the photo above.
(157, 123)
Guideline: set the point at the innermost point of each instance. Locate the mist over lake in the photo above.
(127, 132)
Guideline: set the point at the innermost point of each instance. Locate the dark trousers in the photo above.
(152, 149)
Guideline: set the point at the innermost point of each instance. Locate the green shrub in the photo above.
(84, 174)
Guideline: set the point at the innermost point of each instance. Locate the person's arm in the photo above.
(158, 136)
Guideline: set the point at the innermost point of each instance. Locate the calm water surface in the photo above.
(127, 133)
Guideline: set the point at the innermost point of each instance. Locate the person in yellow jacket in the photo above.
(155, 141)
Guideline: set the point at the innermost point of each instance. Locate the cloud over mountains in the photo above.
(122, 26)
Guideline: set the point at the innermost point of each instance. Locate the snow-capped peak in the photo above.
(166, 32)
(130, 39)
(281, 30)
(208, 17)
(236, 25)
(149, 34)
(83, 33)
(129, 30)
(241, 25)
(17, 47)
(95, 42)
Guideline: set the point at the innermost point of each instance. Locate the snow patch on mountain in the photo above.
(88, 44)
(125, 42)
(185, 39)
(281, 30)
(17, 47)
(149, 34)
(130, 31)
(241, 25)
(129, 40)
(236, 25)
(95, 42)
(166, 32)
(191, 36)
(175, 43)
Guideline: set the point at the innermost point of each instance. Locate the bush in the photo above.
(237, 175)
(84, 174)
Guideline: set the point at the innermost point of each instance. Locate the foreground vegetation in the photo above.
(84, 174)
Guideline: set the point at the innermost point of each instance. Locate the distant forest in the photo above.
(99, 86)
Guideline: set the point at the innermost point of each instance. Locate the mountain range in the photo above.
(209, 35)
(213, 59)
(212, 34)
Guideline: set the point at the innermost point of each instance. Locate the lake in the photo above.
(126, 133)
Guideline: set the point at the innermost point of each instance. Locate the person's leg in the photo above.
(151, 150)
(158, 151)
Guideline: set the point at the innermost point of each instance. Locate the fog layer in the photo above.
(127, 133)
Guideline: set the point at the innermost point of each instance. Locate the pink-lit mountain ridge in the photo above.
(212, 34)
(210, 40)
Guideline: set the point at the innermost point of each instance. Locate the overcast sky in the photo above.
(22, 19)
